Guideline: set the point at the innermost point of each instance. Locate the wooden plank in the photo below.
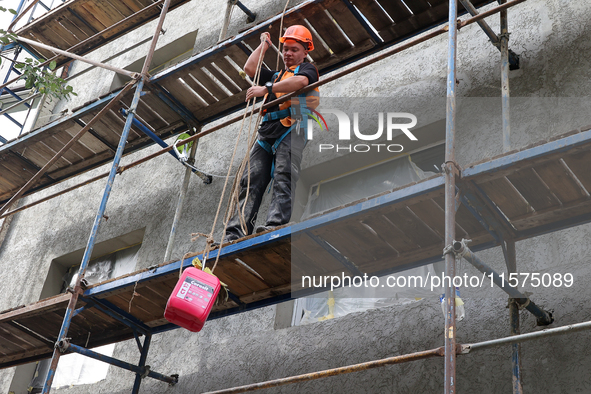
(223, 105)
(70, 18)
(560, 181)
(207, 82)
(105, 130)
(432, 215)
(56, 146)
(81, 33)
(105, 15)
(81, 166)
(30, 339)
(237, 55)
(225, 80)
(309, 258)
(533, 189)
(417, 6)
(89, 141)
(414, 228)
(239, 279)
(329, 32)
(464, 219)
(376, 17)
(134, 5)
(504, 195)
(181, 93)
(347, 21)
(159, 106)
(390, 233)
(551, 215)
(229, 70)
(58, 34)
(137, 307)
(88, 17)
(122, 8)
(579, 163)
(395, 9)
(12, 173)
(355, 241)
(274, 268)
(44, 52)
(200, 90)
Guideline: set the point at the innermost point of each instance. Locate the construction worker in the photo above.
(277, 154)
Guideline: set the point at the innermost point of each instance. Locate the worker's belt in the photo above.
(275, 115)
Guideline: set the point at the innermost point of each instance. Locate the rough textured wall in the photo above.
(553, 39)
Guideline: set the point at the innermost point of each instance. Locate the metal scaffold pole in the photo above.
(101, 211)
(451, 171)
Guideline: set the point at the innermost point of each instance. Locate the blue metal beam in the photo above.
(175, 105)
(397, 196)
(537, 152)
(81, 112)
(141, 370)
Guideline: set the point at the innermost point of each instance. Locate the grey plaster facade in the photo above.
(553, 38)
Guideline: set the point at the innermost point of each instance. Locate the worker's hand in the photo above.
(255, 91)
(265, 40)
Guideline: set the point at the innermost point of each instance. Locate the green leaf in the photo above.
(52, 65)
(13, 12)
(19, 65)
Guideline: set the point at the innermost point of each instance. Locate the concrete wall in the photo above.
(553, 38)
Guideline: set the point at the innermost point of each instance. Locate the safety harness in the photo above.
(298, 111)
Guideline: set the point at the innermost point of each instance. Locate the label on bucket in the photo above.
(195, 292)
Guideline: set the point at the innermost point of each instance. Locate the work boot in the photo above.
(228, 238)
(262, 229)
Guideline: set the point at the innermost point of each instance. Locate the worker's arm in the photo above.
(250, 67)
(286, 86)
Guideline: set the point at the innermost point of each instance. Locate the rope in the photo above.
(210, 240)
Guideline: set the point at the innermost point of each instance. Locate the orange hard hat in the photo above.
(299, 33)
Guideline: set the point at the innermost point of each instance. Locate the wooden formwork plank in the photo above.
(223, 105)
(121, 7)
(159, 106)
(39, 157)
(44, 52)
(375, 15)
(579, 163)
(560, 181)
(223, 79)
(309, 258)
(106, 16)
(87, 17)
(329, 32)
(207, 82)
(418, 6)
(533, 189)
(237, 55)
(464, 219)
(504, 195)
(229, 70)
(193, 84)
(15, 172)
(12, 332)
(390, 233)
(75, 26)
(347, 21)
(137, 309)
(56, 146)
(273, 267)
(57, 34)
(414, 228)
(239, 279)
(395, 9)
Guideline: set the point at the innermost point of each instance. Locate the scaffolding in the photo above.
(477, 200)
